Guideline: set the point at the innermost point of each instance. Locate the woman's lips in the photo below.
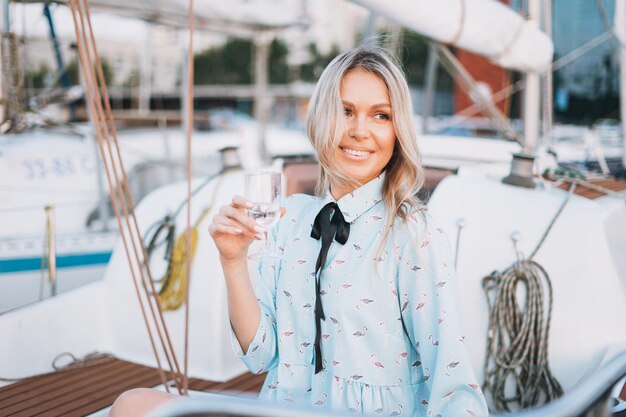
(356, 153)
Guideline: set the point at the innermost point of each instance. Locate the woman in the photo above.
(359, 310)
(375, 330)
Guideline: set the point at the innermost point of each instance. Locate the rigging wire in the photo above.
(502, 94)
(188, 234)
(114, 168)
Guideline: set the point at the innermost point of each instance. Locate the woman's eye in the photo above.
(347, 112)
(382, 116)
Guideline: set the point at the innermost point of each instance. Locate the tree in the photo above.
(41, 77)
(312, 70)
(278, 68)
(232, 63)
(73, 75)
(228, 64)
(413, 57)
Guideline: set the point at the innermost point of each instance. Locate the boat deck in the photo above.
(95, 384)
(612, 184)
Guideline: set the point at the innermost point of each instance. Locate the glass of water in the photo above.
(263, 190)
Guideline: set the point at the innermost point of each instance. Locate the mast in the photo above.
(548, 82)
(145, 70)
(532, 90)
(523, 164)
(261, 100)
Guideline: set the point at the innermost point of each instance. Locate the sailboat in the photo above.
(493, 226)
(50, 172)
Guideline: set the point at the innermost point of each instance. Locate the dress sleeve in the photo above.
(426, 278)
(262, 354)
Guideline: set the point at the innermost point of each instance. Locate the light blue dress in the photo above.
(391, 341)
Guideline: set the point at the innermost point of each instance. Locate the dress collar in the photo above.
(360, 200)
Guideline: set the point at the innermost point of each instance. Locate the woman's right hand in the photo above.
(233, 231)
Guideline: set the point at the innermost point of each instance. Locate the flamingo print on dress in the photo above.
(288, 367)
(322, 400)
(375, 362)
(382, 257)
(336, 323)
(355, 408)
(397, 411)
(450, 366)
(343, 287)
(442, 317)
(363, 301)
(439, 285)
(288, 295)
(360, 333)
(391, 284)
(412, 267)
(336, 264)
(349, 280)
(384, 331)
(284, 335)
(449, 395)
(405, 302)
(373, 218)
(402, 357)
(422, 303)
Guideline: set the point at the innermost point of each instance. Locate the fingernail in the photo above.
(249, 204)
(258, 237)
(258, 229)
(238, 230)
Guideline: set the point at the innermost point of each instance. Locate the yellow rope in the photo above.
(172, 293)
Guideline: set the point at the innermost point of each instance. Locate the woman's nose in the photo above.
(358, 128)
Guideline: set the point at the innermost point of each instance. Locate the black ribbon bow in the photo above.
(329, 223)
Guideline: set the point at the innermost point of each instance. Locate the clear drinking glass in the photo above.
(263, 190)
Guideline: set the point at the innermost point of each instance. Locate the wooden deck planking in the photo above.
(38, 381)
(104, 388)
(612, 184)
(74, 384)
(85, 390)
(52, 385)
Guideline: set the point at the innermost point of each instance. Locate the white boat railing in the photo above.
(588, 398)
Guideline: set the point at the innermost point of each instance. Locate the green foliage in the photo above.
(132, 80)
(38, 78)
(278, 69)
(232, 63)
(414, 55)
(73, 74)
(312, 70)
(229, 64)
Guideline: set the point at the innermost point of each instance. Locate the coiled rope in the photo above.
(175, 279)
(517, 372)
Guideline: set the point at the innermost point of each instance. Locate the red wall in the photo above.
(482, 70)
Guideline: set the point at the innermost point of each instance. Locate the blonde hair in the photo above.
(404, 175)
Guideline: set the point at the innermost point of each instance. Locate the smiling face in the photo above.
(368, 141)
